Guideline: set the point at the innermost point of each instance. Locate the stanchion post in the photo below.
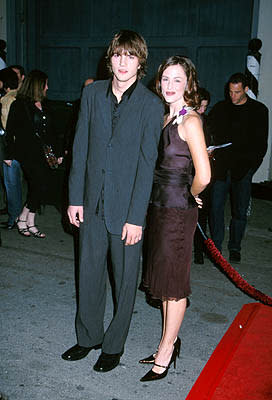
(253, 67)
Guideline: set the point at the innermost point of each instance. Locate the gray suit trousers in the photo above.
(95, 241)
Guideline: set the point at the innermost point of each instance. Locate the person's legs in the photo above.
(240, 197)
(22, 222)
(173, 317)
(219, 193)
(32, 227)
(93, 248)
(36, 175)
(12, 180)
(125, 264)
(169, 347)
(2, 189)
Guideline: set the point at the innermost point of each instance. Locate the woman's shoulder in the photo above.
(191, 120)
(191, 123)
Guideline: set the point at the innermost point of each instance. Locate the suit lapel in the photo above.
(104, 106)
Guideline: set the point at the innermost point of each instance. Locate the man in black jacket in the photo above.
(243, 122)
(114, 155)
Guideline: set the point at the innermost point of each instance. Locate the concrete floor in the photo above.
(38, 308)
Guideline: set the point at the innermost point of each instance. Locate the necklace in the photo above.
(185, 110)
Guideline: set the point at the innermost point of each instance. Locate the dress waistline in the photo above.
(172, 177)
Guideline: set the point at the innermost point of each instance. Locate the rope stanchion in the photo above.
(234, 276)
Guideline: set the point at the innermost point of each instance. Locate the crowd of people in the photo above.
(143, 164)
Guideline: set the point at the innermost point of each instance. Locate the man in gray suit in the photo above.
(114, 155)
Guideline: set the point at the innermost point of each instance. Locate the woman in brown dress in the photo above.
(173, 212)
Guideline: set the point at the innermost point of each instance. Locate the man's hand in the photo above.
(75, 214)
(8, 162)
(132, 234)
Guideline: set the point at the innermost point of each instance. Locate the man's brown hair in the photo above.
(131, 42)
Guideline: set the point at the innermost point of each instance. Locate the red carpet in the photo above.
(240, 367)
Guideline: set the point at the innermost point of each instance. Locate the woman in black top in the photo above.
(29, 127)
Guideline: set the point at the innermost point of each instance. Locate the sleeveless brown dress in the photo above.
(171, 220)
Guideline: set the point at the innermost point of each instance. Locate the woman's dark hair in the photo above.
(133, 43)
(33, 86)
(191, 95)
(204, 95)
(9, 78)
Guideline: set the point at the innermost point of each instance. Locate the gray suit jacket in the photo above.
(124, 162)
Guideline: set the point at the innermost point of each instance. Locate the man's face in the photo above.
(125, 66)
(237, 93)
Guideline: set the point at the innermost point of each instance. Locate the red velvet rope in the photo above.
(236, 278)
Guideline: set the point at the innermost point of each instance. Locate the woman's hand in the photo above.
(199, 201)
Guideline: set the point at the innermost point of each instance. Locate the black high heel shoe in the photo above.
(154, 376)
(35, 232)
(151, 359)
(23, 231)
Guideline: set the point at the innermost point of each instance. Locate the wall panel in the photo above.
(215, 64)
(68, 37)
(64, 18)
(63, 69)
(225, 18)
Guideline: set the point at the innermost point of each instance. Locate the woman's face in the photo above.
(203, 107)
(45, 88)
(173, 84)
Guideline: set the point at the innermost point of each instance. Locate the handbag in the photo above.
(50, 157)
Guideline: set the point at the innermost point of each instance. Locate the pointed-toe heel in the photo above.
(154, 376)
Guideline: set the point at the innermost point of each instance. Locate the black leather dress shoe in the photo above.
(78, 352)
(199, 258)
(107, 362)
(8, 225)
(11, 226)
(234, 256)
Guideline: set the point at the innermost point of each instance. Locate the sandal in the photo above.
(36, 233)
(23, 231)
